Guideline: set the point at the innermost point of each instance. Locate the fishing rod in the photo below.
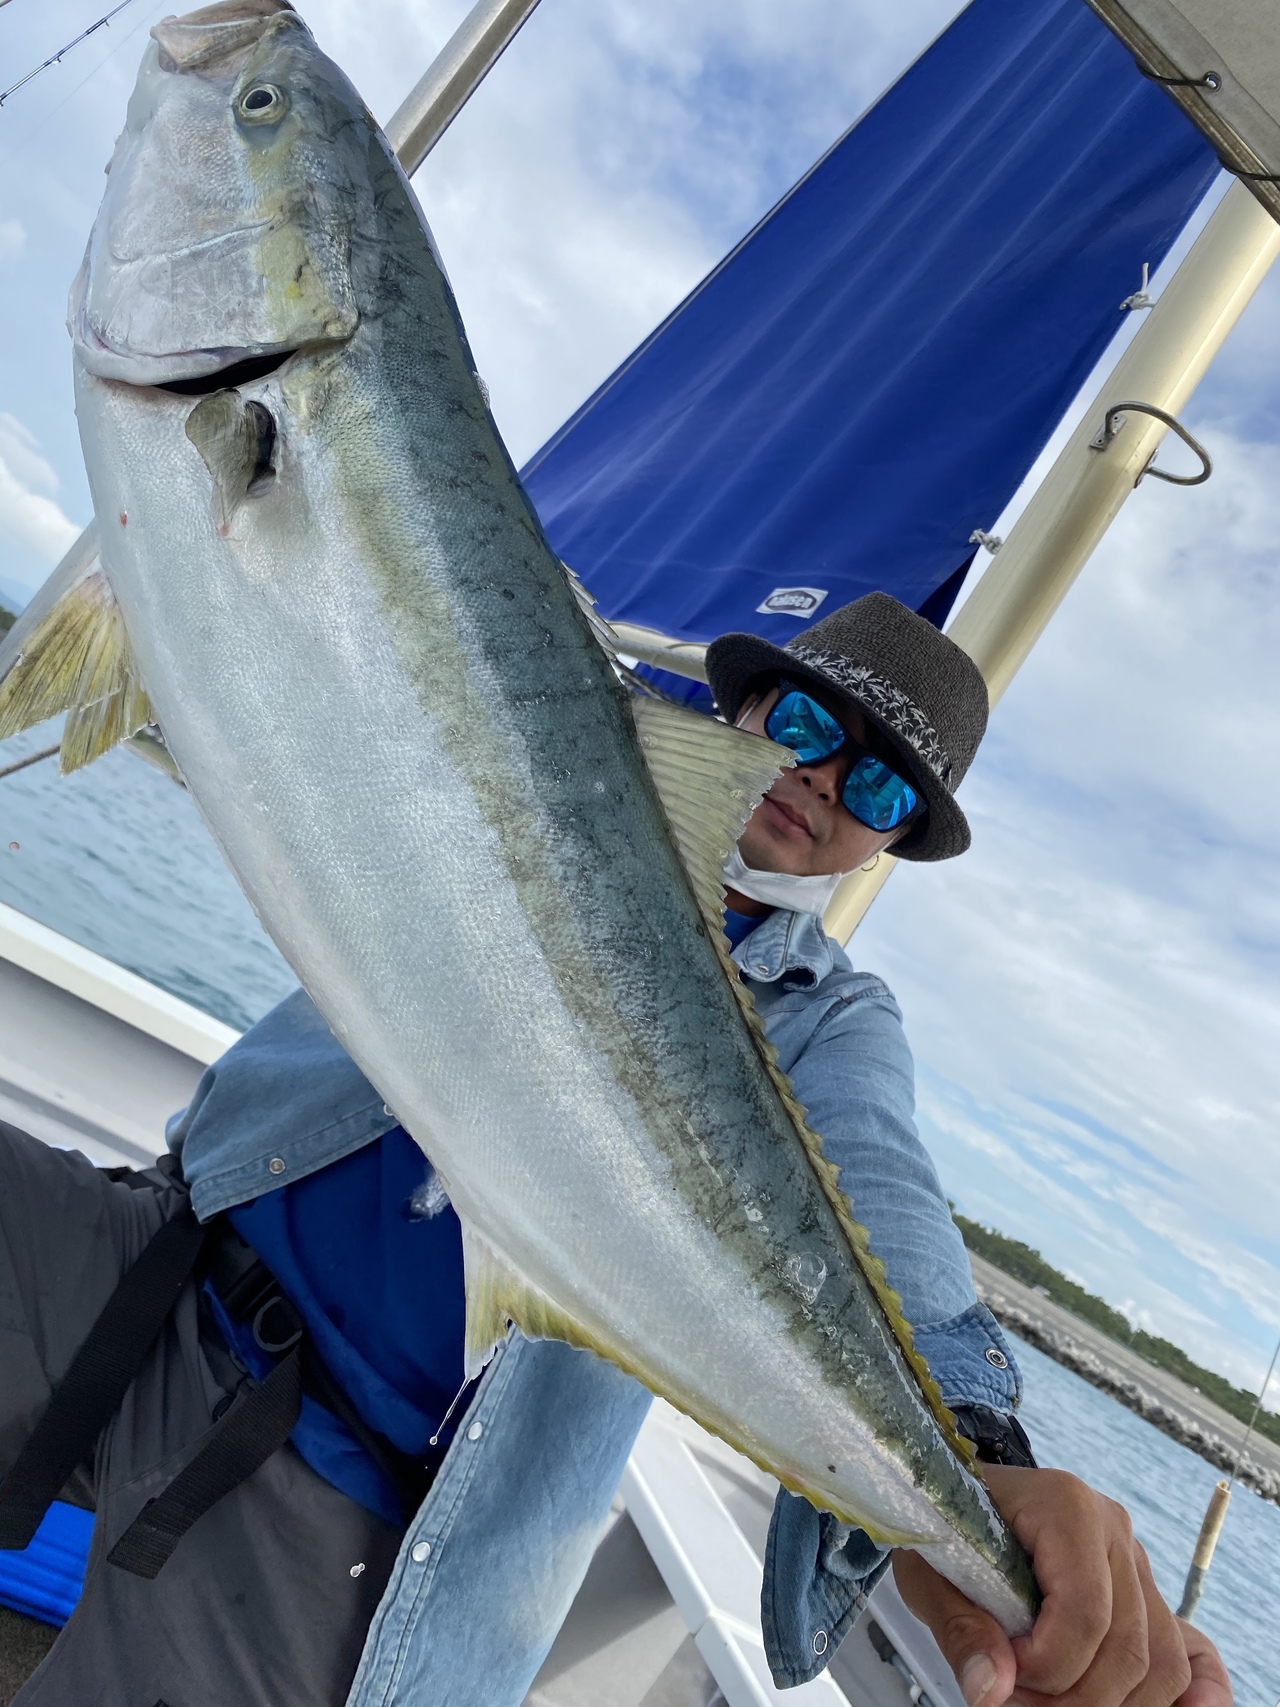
(56, 58)
(48, 752)
(1216, 1511)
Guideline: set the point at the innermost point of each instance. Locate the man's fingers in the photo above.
(1121, 1666)
(1069, 1532)
(1168, 1670)
(972, 1643)
(1210, 1686)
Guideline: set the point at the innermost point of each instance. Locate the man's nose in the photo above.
(826, 778)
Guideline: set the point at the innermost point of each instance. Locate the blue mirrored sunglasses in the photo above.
(876, 795)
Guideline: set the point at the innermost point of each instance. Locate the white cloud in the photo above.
(29, 512)
(13, 240)
(1092, 991)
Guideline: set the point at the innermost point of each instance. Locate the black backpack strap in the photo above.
(99, 1375)
(262, 1418)
(257, 1425)
(252, 1295)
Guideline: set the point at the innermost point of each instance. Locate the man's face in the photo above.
(801, 826)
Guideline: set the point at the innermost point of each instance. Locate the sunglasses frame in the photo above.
(858, 748)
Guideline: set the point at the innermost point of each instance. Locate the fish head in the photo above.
(226, 232)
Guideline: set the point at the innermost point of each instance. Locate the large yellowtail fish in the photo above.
(497, 874)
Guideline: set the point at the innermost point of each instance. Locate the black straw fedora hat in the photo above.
(925, 696)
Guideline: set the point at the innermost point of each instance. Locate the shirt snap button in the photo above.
(276, 1165)
(388, 1110)
(420, 1552)
(820, 1641)
(475, 1431)
(996, 1358)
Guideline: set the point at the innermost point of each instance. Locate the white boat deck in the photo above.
(95, 1058)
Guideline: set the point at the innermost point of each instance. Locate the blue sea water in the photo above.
(117, 858)
(1165, 1489)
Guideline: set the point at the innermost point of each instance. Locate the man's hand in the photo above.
(1103, 1637)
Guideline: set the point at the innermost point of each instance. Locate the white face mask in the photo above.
(779, 888)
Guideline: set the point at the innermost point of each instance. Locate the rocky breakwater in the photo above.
(1181, 1412)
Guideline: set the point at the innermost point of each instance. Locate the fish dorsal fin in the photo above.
(710, 778)
(599, 627)
(73, 655)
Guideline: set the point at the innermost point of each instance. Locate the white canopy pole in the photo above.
(682, 657)
(452, 78)
(1082, 493)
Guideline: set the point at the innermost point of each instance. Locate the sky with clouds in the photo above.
(1092, 992)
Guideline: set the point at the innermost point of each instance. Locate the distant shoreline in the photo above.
(1157, 1395)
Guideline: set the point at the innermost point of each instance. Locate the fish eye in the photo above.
(262, 104)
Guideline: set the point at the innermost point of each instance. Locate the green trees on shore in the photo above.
(1019, 1261)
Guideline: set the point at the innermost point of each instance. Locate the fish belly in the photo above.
(387, 772)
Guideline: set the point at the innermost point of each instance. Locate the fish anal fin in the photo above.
(710, 778)
(488, 1283)
(497, 1295)
(77, 659)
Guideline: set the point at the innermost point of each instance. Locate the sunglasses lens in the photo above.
(801, 724)
(877, 796)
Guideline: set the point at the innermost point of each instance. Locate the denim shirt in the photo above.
(491, 1561)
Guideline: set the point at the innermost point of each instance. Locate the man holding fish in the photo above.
(500, 879)
(836, 699)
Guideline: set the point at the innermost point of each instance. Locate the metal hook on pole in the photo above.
(1111, 425)
(1210, 80)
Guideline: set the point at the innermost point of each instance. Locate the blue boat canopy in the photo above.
(869, 375)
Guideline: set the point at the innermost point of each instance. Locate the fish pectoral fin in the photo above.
(497, 1295)
(236, 441)
(75, 657)
(710, 779)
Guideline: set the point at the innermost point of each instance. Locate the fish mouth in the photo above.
(205, 247)
(245, 372)
(193, 371)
